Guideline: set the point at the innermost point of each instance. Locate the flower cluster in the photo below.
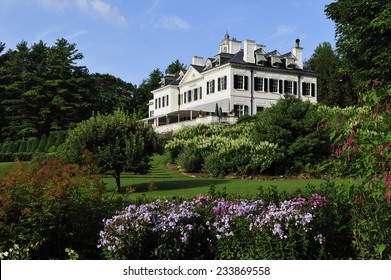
(211, 220)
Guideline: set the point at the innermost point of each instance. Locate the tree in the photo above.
(114, 142)
(293, 125)
(110, 93)
(175, 68)
(363, 32)
(334, 88)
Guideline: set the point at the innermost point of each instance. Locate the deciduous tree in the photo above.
(114, 142)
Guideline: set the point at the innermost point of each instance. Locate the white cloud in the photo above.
(171, 22)
(94, 7)
(284, 30)
(108, 12)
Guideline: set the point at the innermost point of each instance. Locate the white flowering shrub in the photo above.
(203, 228)
(230, 148)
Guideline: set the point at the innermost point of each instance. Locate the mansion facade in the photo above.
(235, 82)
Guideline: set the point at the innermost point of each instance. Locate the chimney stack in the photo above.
(249, 48)
(297, 51)
(197, 60)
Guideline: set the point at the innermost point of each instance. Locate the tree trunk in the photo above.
(117, 175)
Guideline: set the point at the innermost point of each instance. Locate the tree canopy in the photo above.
(114, 143)
(363, 33)
(44, 89)
(293, 125)
(334, 87)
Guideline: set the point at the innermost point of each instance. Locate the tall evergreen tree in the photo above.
(175, 68)
(334, 88)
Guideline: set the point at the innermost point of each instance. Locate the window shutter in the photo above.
(245, 82)
(235, 81)
(225, 82)
(313, 90)
(218, 84)
(256, 83)
(207, 87)
(280, 86)
(266, 88)
(295, 88)
(200, 92)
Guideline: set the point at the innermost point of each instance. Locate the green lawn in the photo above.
(170, 183)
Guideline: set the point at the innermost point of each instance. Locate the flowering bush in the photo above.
(364, 143)
(224, 229)
(231, 148)
(49, 206)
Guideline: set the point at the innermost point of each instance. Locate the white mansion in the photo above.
(235, 82)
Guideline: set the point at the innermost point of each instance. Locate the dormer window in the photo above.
(260, 59)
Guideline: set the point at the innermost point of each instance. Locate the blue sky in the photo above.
(130, 38)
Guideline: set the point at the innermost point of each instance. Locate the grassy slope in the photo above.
(170, 183)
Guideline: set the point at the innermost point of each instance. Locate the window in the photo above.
(166, 100)
(306, 88)
(184, 97)
(222, 83)
(240, 82)
(151, 114)
(195, 94)
(163, 101)
(258, 84)
(210, 87)
(160, 102)
(240, 110)
(260, 108)
(288, 86)
(189, 96)
(155, 103)
(273, 85)
(179, 99)
(200, 92)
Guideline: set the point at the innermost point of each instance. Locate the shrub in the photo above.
(365, 143)
(221, 229)
(190, 160)
(295, 126)
(48, 207)
(236, 150)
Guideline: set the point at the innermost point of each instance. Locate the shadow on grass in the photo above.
(168, 185)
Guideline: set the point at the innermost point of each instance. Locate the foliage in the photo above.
(114, 142)
(175, 68)
(48, 207)
(363, 29)
(364, 143)
(334, 88)
(190, 160)
(44, 89)
(295, 126)
(144, 92)
(203, 228)
(224, 149)
(25, 150)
